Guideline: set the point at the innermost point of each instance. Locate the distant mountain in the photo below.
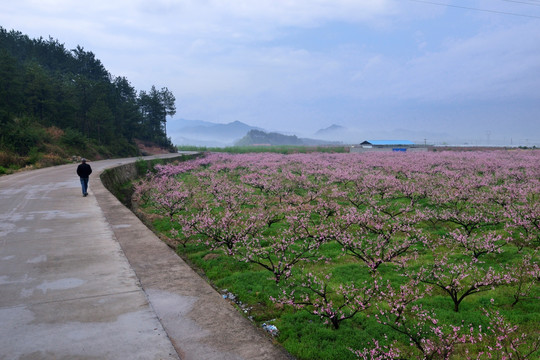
(332, 129)
(176, 124)
(209, 134)
(234, 130)
(258, 137)
(338, 133)
(204, 133)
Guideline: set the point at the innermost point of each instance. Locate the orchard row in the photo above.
(452, 224)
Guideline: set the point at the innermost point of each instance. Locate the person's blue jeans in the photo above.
(84, 185)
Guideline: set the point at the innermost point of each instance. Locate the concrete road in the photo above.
(83, 278)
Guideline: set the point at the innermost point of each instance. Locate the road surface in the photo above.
(83, 278)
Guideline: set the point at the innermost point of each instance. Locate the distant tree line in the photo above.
(43, 82)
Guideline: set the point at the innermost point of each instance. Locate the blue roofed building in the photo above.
(388, 145)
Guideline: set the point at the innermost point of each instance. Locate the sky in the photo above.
(435, 71)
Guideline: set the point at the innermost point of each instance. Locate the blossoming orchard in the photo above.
(372, 256)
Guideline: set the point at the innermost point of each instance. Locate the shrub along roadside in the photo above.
(27, 144)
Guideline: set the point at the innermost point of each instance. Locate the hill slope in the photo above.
(55, 103)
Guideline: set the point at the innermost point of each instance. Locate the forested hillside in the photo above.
(57, 102)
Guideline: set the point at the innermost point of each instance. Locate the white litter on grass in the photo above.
(227, 295)
(271, 329)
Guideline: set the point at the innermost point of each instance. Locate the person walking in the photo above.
(84, 170)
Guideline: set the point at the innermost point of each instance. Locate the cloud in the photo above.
(298, 61)
(290, 86)
(489, 65)
(302, 12)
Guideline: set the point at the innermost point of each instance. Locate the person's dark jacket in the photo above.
(84, 170)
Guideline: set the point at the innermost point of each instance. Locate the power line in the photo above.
(475, 9)
(523, 2)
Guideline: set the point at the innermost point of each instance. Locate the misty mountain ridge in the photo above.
(183, 123)
(330, 130)
(209, 134)
(258, 137)
(205, 133)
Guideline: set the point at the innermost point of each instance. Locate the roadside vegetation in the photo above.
(365, 256)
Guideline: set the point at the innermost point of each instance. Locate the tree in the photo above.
(100, 118)
(334, 304)
(155, 106)
(11, 88)
(428, 338)
(476, 244)
(526, 274)
(504, 341)
(127, 116)
(462, 278)
(88, 66)
(373, 236)
(295, 241)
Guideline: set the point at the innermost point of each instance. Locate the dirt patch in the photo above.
(210, 257)
(149, 148)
